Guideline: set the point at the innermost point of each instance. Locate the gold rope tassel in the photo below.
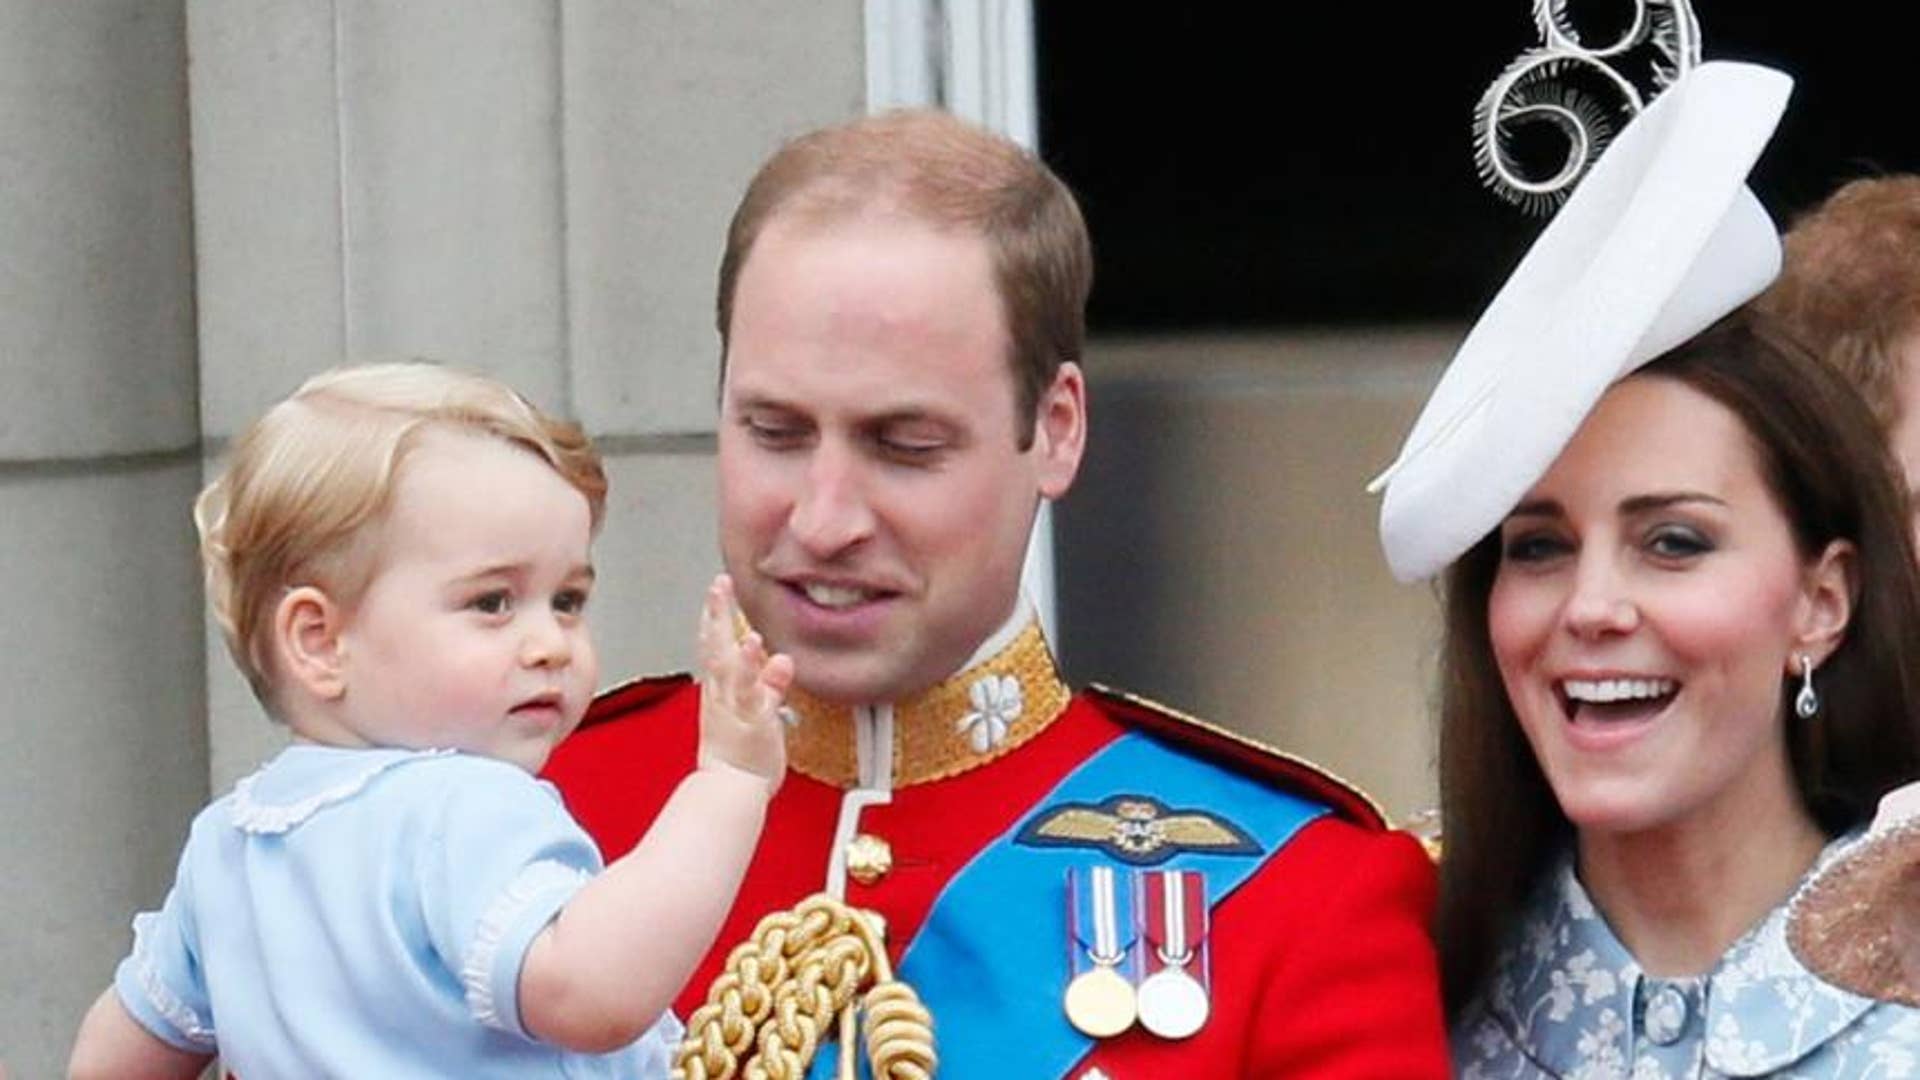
(785, 985)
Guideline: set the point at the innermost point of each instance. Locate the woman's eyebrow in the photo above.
(1640, 504)
(1538, 508)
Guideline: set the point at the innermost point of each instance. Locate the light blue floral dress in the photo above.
(1567, 1000)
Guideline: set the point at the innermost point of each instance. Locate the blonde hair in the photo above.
(304, 486)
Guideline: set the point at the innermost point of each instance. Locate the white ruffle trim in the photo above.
(250, 815)
(191, 1025)
(476, 968)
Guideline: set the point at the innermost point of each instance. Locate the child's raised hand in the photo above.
(741, 690)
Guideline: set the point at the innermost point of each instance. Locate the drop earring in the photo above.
(1807, 702)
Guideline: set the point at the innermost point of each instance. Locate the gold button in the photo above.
(869, 858)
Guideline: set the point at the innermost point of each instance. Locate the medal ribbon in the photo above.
(974, 959)
(1176, 916)
(1102, 914)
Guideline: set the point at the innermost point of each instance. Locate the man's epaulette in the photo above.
(1243, 754)
(632, 695)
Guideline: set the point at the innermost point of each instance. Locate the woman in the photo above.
(1681, 613)
(1629, 792)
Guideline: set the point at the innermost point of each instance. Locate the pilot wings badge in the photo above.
(1136, 829)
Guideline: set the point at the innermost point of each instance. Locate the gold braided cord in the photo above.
(783, 987)
(899, 1032)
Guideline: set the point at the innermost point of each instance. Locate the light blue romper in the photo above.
(365, 913)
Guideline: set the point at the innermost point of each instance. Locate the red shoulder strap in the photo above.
(631, 696)
(1247, 755)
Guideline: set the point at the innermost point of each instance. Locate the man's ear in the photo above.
(1832, 582)
(1060, 430)
(307, 626)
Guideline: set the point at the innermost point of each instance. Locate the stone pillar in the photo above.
(532, 188)
(103, 759)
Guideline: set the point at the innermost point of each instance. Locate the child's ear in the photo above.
(306, 634)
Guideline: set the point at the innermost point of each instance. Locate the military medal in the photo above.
(1173, 998)
(1099, 997)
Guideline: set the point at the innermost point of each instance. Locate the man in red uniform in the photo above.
(1077, 885)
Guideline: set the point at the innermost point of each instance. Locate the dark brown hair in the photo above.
(1850, 286)
(1825, 463)
(952, 175)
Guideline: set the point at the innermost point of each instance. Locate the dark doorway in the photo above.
(1306, 164)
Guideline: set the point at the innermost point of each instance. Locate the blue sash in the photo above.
(991, 960)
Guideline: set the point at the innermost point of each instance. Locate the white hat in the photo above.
(1660, 240)
(1852, 921)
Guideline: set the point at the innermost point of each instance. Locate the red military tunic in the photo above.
(1321, 963)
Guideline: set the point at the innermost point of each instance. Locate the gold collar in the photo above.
(960, 723)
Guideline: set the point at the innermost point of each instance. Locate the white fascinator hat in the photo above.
(1659, 241)
(1856, 922)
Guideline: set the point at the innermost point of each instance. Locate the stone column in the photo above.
(103, 758)
(533, 188)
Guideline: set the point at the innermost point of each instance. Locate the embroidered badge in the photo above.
(1136, 829)
(996, 705)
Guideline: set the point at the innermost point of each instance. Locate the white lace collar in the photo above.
(304, 779)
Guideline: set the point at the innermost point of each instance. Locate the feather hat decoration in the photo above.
(1580, 91)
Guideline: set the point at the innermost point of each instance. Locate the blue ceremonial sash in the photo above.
(990, 962)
